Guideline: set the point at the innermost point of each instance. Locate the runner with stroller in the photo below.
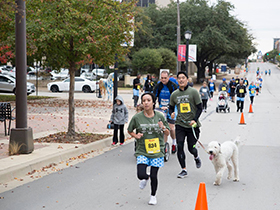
(222, 104)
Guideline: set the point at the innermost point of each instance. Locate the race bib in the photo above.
(204, 90)
(211, 85)
(152, 146)
(224, 88)
(164, 102)
(185, 107)
(241, 90)
(138, 87)
(252, 91)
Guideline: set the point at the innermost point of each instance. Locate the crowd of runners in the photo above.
(173, 107)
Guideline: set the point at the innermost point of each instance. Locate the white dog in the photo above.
(220, 155)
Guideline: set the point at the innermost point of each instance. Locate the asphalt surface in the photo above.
(108, 179)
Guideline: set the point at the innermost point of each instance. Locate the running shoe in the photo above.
(197, 162)
(174, 149)
(183, 174)
(121, 144)
(114, 143)
(153, 200)
(143, 184)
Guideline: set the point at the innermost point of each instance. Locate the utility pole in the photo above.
(116, 68)
(178, 35)
(21, 136)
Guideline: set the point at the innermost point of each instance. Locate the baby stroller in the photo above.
(222, 104)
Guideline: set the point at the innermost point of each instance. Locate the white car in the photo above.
(81, 84)
(5, 69)
(63, 74)
(8, 84)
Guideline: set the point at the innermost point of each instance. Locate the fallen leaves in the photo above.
(80, 138)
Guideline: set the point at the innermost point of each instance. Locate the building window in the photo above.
(145, 3)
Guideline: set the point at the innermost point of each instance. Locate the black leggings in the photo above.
(240, 105)
(252, 99)
(115, 137)
(204, 103)
(142, 174)
(181, 134)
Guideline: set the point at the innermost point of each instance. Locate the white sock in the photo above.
(174, 142)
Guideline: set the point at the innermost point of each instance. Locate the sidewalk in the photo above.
(49, 120)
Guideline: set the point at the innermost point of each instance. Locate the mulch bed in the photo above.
(80, 138)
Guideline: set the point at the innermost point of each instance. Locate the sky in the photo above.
(261, 18)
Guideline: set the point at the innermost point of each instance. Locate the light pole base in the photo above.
(23, 138)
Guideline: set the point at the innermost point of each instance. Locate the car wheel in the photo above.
(86, 89)
(14, 91)
(54, 88)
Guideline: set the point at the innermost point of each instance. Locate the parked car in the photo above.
(85, 68)
(63, 74)
(5, 69)
(99, 72)
(81, 84)
(8, 84)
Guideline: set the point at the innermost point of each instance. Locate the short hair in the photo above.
(164, 71)
(182, 72)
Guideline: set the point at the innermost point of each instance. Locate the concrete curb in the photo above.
(19, 166)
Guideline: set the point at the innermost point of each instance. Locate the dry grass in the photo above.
(14, 148)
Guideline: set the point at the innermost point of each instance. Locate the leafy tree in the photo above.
(147, 60)
(230, 61)
(271, 55)
(215, 31)
(144, 34)
(5, 54)
(6, 9)
(69, 33)
(124, 64)
(169, 59)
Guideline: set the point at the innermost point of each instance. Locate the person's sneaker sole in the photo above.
(182, 177)
(174, 150)
(198, 164)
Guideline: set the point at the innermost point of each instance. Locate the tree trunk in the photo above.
(210, 69)
(71, 120)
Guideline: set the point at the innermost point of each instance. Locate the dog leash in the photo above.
(193, 126)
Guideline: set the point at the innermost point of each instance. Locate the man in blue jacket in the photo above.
(163, 92)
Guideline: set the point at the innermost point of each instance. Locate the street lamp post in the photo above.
(188, 35)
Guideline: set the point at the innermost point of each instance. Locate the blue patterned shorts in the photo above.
(155, 162)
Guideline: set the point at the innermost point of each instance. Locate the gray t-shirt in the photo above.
(186, 102)
(151, 144)
(204, 92)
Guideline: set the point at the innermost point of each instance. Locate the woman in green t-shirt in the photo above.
(150, 127)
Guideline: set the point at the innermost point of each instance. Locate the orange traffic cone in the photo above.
(242, 121)
(201, 201)
(251, 109)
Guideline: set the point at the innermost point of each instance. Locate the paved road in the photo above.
(109, 181)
